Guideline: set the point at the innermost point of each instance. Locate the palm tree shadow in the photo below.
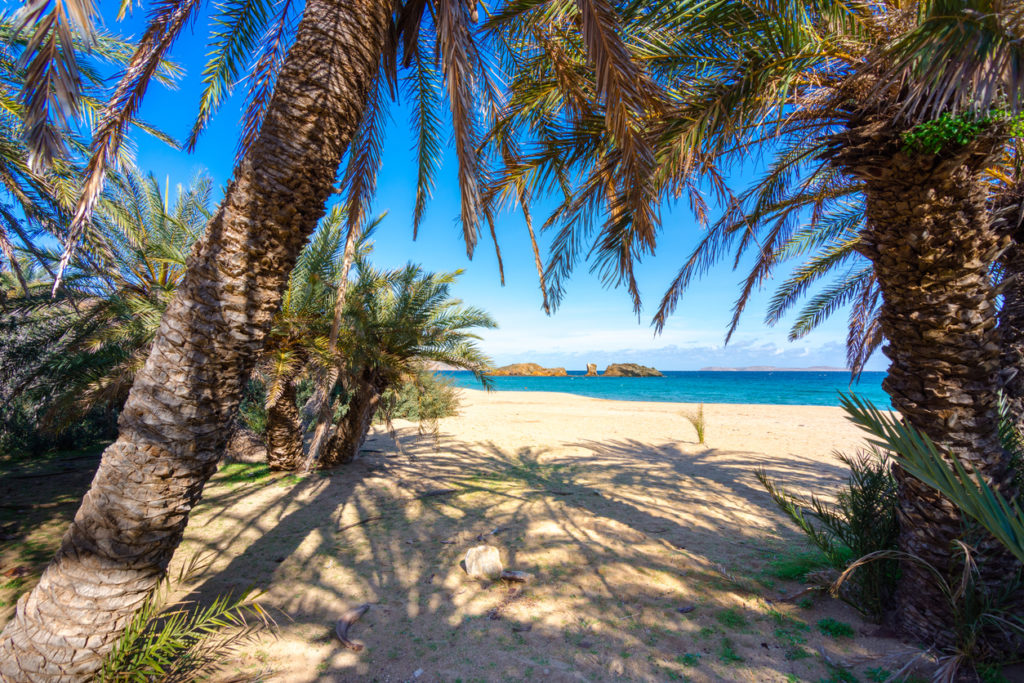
(616, 534)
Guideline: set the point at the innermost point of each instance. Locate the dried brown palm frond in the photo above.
(53, 85)
(167, 20)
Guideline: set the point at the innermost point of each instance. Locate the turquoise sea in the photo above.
(776, 388)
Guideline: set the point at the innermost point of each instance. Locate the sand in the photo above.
(650, 553)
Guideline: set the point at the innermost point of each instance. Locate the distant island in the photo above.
(613, 370)
(772, 368)
(527, 370)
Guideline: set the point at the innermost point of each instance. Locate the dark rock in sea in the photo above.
(591, 370)
(630, 370)
(528, 370)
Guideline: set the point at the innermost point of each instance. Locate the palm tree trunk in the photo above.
(932, 243)
(175, 423)
(355, 425)
(1011, 315)
(284, 431)
(328, 379)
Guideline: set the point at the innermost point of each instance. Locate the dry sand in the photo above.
(619, 515)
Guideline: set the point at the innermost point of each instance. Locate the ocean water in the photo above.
(775, 388)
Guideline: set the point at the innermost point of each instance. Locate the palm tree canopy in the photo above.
(96, 334)
(723, 80)
(40, 157)
(399, 319)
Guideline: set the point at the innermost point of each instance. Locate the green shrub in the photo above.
(834, 628)
(421, 398)
(955, 130)
(862, 521)
(985, 616)
(252, 411)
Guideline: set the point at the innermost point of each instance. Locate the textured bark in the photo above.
(355, 425)
(284, 432)
(175, 422)
(1011, 316)
(929, 235)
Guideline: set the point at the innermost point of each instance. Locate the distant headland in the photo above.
(613, 370)
(772, 368)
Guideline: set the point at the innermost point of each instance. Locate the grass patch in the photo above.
(689, 659)
(243, 472)
(796, 566)
(727, 653)
(731, 618)
(834, 628)
(838, 674)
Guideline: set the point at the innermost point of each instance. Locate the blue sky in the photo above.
(593, 324)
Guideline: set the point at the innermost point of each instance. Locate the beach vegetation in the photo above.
(863, 520)
(796, 566)
(696, 418)
(396, 322)
(731, 618)
(172, 641)
(727, 652)
(424, 397)
(983, 604)
(828, 92)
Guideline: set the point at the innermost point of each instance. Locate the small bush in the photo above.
(862, 521)
(421, 398)
(252, 412)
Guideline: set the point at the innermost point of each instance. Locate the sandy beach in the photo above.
(651, 554)
(616, 511)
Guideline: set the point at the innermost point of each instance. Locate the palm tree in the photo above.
(298, 345)
(36, 196)
(172, 428)
(314, 90)
(909, 104)
(96, 334)
(396, 322)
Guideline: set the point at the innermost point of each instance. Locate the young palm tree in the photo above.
(395, 322)
(908, 103)
(298, 345)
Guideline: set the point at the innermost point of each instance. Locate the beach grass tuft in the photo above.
(696, 418)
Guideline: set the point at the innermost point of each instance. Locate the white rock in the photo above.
(483, 562)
